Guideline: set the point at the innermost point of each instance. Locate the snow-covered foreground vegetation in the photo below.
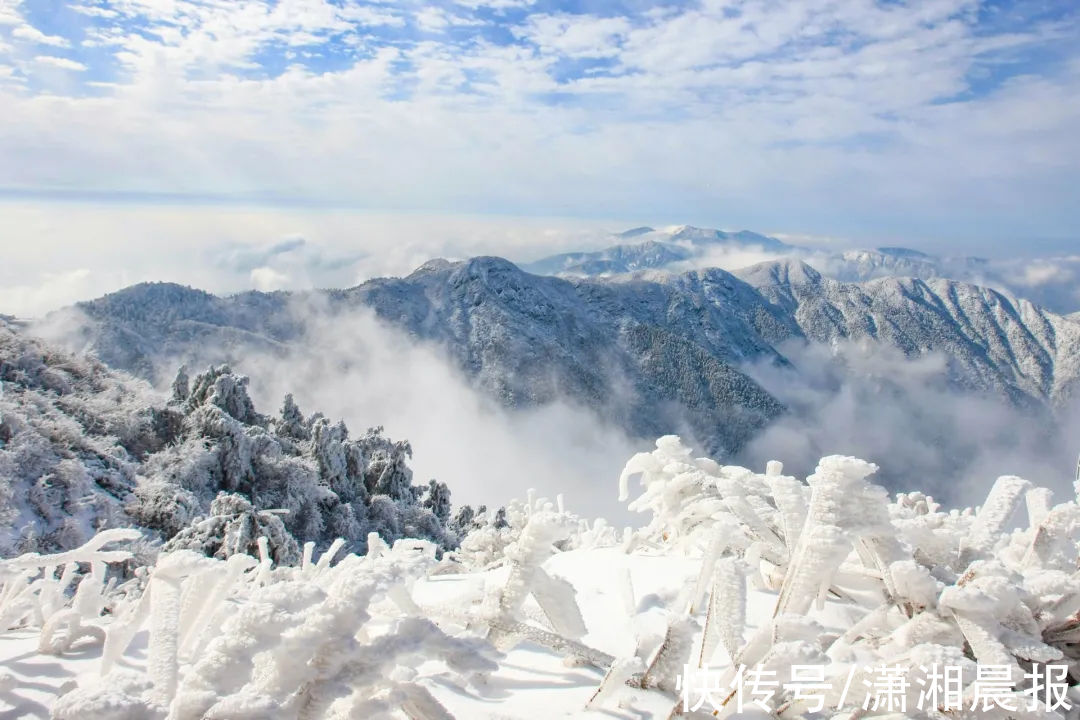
(545, 615)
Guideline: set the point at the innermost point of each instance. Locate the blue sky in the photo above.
(951, 121)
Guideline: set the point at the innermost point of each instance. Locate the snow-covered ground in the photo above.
(737, 584)
(531, 680)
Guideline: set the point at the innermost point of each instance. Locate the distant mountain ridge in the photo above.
(650, 352)
(1051, 282)
(661, 249)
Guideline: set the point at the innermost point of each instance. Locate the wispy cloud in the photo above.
(59, 62)
(31, 34)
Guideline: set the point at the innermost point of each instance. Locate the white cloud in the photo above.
(47, 291)
(1041, 272)
(709, 114)
(356, 368)
(436, 18)
(59, 62)
(268, 279)
(432, 18)
(9, 12)
(923, 426)
(577, 35)
(495, 4)
(32, 34)
(94, 11)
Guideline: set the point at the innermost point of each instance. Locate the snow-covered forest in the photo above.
(189, 557)
(83, 449)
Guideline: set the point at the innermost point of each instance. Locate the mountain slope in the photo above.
(993, 341)
(611, 261)
(641, 352)
(137, 327)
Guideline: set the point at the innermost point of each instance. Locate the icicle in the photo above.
(672, 655)
(727, 611)
(1000, 505)
(162, 662)
(621, 671)
(305, 562)
(123, 629)
(708, 566)
(195, 636)
(1038, 501)
(787, 492)
(420, 704)
(328, 556)
(376, 546)
(985, 646)
(557, 598)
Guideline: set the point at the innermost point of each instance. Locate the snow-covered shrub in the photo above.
(954, 587)
(230, 640)
(234, 527)
(71, 433)
(486, 535)
(48, 591)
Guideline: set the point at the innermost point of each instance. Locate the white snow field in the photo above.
(552, 617)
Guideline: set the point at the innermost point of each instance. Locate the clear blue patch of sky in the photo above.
(55, 17)
(566, 69)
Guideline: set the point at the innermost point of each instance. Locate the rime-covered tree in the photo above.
(83, 448)
(234, 527)
(326, 484)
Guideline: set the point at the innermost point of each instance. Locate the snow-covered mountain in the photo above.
(1048, 281)
(993, 340)
(862, 265)
(611, 261)
(651, 353)
(536, 612)
(658, 249)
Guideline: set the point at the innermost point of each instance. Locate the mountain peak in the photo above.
(489, 263)
(788, 271)
(157, 289)
(635, 232)
(904, 253)
(142, 298)
(705, 236)
(435, 265)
